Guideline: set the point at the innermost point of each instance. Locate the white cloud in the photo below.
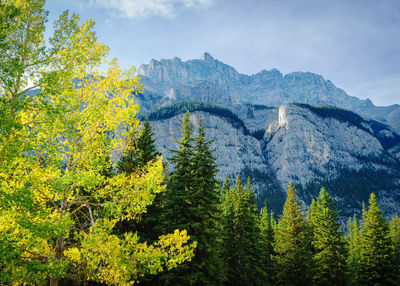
(134, 9)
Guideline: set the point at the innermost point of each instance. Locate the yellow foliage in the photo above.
(58, 206)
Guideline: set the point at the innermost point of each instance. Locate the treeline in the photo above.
(386, 141)
(181, 107)
(239, 245)
(353, 186)
(326, 111)
(174, 109)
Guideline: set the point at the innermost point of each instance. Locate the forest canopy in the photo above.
(59, 201)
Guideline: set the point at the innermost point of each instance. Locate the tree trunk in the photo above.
(59, 250)
(54, 282)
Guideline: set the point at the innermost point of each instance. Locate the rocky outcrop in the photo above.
(234, 151)
(206, 92)
(300, 147)
(268, 87)
(274, 141)
(303, 146)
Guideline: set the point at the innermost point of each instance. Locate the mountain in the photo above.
(279, 129)
(268, 87)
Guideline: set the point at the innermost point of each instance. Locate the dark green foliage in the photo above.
(267, 245)
(146, 147)
(241, 236)
(258, 134)
(353, 187)
(376, 263)
(258, 106)
(272, 193)
(395, 235)
(328, 242)
(226, 186)
(329, 111)
(192, 203)
(206, 198)
(145, 150)
(353, 245)
(293, 245)
(139, 153)
(386, 142)
(181, 107)
(311, 215)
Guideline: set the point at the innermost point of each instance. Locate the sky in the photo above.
(355, 44)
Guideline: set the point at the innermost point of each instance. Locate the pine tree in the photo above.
(192, 203)
(267, 245)
(311, 215)
(328, 242)
(293, 244)
(226, 187)
(227, 227)
(146, 152)
(353, 243)
(241, 236)
(146, 147)
(139, 151)
(376, 247)
(310, 221)
(206, 201)
(178, 195)
(395, 235)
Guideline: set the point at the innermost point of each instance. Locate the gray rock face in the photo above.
(303, 146)
(268, 87)
(280, 142)
(234, 151)
(298, 147)
(206, 92)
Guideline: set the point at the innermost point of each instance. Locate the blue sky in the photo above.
(355, 44)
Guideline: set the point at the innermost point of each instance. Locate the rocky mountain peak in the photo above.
(268, 87)
(207, 57)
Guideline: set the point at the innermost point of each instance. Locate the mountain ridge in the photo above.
(267, 87)
(277, 129)
(301, 147)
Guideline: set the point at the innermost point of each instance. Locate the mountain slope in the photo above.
(259, 131)
(307, 146)
(268, 87)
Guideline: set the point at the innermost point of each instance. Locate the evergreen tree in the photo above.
(267, 245)
(293, 244)
(227, 227)
(273, 224)
(192, 203)
(226, 187)
(241, 237)
(395, 235)
(139, 151)
(310, 221)
(206, 201)
(146, 150)
(311, 215)
(137, 154)
(328, 242)
(353, 243)
(178, 195)
(376, 247)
